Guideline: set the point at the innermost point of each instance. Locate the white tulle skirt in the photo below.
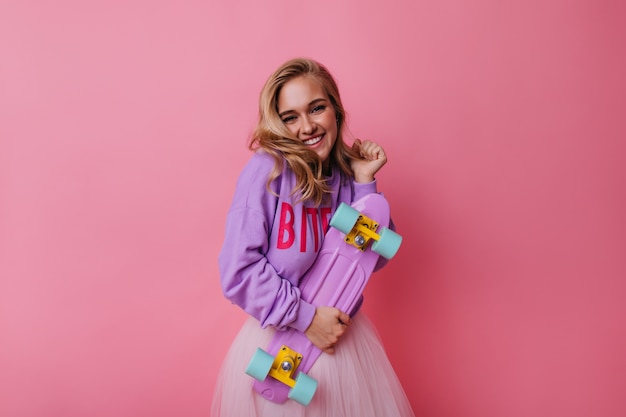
(356, 381)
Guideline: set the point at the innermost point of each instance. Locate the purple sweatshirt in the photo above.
(271, 240)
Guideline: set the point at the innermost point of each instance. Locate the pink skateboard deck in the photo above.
(337, 279)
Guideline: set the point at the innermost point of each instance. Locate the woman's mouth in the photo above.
(313, 141)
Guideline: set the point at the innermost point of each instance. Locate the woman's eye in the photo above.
(289, 119)
(318, 109)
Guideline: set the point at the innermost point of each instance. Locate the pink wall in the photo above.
(122, 132)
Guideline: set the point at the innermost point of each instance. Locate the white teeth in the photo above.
(312, 141)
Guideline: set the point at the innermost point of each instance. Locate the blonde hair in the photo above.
(272, 136)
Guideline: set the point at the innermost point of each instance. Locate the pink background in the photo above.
(123, 127)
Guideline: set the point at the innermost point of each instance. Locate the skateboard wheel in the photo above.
(388, 243)
(260, 364)
(345, 218)
(304, 389)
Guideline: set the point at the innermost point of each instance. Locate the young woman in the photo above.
(285, 196)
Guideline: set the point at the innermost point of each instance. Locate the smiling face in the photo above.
(306, 110)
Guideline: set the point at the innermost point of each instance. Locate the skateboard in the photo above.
(358, 235)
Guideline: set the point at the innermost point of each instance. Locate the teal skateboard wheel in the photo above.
(260, 364)
(304, 389)
(388, 243)
(345, 218)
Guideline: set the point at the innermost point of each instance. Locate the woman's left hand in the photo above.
(373, 158)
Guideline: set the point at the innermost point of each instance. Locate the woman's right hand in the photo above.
(328, 325)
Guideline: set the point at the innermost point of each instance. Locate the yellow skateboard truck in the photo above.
(282, 368)
(362, 232)
(359, 230)
(285, 364)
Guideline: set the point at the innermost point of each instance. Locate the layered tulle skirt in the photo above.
(356, 381)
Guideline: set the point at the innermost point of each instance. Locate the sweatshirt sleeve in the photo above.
(361, 189)
(247, 277)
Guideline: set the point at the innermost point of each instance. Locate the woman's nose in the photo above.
(308, 126)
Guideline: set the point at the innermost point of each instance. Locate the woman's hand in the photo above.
(328, 325)
(373, 158)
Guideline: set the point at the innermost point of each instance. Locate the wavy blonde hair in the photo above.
(272, 136)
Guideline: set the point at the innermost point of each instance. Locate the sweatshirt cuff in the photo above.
(361, 189)
(305, 316)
